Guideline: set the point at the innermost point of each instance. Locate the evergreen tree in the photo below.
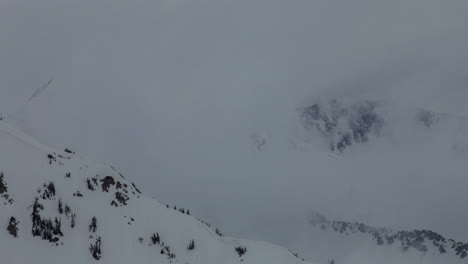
(241, 250)
(93, 225)
(191, 245)
(60, 206)
(73, 219)
(155, 238)
(13, 227)
(95, 249)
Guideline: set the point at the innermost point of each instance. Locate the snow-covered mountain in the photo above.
(399, 246)
(343, 123)
(59, 207)
(358, 134)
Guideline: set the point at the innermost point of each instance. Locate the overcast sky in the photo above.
(170, 92)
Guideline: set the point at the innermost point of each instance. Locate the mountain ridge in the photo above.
(58, 207)
(419, 240)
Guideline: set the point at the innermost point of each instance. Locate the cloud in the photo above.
(170, 92)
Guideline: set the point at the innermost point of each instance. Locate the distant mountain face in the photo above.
(58, 207)
(344, 124)
(422, 241)
(355, 129)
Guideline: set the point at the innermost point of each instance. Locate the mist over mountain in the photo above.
(230, 108)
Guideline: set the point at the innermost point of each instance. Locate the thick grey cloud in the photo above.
(170, 92)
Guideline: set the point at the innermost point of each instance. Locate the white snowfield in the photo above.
(132, 228)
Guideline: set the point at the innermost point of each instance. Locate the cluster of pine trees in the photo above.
(92, 183)
(13, 227)
(47, 229)
(4, 189)
(241, 250)
(68, 212)
(191, 245)
(165, 249)
(95, 248)
(182, 210)
(48, 191)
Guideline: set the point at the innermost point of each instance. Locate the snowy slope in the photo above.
(49, 199)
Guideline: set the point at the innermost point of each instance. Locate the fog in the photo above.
(171, 93)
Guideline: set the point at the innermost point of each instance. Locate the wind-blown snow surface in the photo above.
(126, 219)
